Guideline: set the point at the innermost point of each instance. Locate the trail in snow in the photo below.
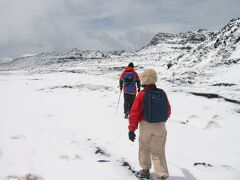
(64, 126)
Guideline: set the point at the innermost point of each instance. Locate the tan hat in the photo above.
(149, 76)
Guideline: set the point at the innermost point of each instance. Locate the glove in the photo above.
(139, 90)
(131, 135)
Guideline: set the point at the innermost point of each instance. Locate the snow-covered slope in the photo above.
(218, 50)
(198, 52)
(64, 125)
(58, 110)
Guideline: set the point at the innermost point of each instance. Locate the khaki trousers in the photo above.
(152, 140)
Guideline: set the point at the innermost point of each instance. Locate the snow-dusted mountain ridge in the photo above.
(193, 57)
(198, 45)
(193, 37)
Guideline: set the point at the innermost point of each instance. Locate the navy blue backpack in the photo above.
(155, 107)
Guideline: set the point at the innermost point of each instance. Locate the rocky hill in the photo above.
(197, 57)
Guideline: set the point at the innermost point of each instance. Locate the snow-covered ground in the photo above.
(59, 126)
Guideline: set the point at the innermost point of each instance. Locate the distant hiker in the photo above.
(127, 83)
(151, 109)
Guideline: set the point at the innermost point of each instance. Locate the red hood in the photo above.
(152, 86)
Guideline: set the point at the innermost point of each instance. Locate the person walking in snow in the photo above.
(127, 82)
(151, 110)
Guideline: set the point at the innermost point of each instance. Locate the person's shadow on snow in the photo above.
(187, 176)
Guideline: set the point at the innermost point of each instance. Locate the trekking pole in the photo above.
(118, 100)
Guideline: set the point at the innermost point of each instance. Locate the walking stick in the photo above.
(118, 100)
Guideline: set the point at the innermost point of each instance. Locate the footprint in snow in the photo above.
(184, 122)
(212, 124)
(217, 117)
(70, 158)
(75, 143)
(193, 117)
(48, 115)
(18, 137)
(205, 108)
(226, 167)
(111, 106)
(26, 177)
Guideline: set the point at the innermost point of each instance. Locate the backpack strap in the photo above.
(155, 90)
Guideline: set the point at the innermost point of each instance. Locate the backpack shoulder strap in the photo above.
(155, 90)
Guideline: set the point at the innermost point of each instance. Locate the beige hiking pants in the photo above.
(152, 140)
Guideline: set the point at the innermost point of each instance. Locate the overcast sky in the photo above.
(34, 26)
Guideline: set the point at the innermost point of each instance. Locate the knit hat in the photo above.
(131, 65)
(149, 76)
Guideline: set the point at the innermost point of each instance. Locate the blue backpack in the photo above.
(129, 80)
(155, 107)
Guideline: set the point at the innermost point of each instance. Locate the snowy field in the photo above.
(64, 126)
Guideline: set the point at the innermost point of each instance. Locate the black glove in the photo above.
(138, 90)
(131, 135)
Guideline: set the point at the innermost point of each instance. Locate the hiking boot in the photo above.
(144, 173)
(126, 116)
(162, 178)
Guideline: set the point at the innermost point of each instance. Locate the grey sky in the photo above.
(33, 26)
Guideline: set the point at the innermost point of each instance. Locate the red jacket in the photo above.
(129, 69)
(136, 113)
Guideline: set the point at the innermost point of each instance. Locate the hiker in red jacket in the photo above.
(152, 118)
(127, 82)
